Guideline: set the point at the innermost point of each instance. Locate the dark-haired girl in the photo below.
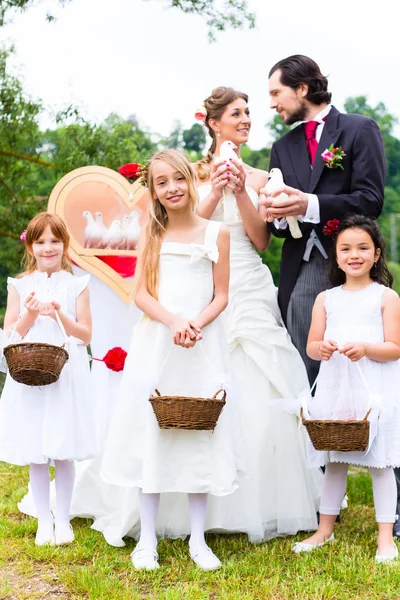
(355, 331)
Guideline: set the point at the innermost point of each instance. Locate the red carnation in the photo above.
(115, 359)
(331, 228)
(131, 170)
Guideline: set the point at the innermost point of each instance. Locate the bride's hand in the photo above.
(237, 177)
(218, 179)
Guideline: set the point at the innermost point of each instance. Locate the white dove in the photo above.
(101, 228)
(133, 231)
(91, 235)
(227, 151)
(113, 235)
(275, 181)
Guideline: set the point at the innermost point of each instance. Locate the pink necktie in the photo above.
(310, 127)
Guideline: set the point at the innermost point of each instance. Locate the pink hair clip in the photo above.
(22, 237)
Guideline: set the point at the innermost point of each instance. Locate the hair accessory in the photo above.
(331, 227)
(201, 114)
(22, 237)
(134, 171)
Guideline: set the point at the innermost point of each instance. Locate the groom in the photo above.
(317, 193)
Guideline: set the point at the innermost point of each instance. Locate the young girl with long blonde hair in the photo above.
(52, 424)
(179, 348)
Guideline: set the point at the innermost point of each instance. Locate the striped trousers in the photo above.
(312, 280)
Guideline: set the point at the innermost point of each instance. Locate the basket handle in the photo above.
(157, 392)
(223, 395)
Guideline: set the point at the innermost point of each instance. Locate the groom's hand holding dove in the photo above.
(293, 204)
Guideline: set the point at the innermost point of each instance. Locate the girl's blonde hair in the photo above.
(158, 217)
(216, 105)
(35, 230)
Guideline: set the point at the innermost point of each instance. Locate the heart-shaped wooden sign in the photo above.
(104, 214)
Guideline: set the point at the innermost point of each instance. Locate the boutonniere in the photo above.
(333, 157)
(331, 227)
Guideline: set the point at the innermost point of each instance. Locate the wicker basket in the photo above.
(35, 363)
(346, 436)
(182, 412)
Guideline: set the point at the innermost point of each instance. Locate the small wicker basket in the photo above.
(343, 436)
(35, 363)
(183, 412)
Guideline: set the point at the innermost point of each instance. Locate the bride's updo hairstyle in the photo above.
(216, 105)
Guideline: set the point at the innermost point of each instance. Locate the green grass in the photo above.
(91, 569)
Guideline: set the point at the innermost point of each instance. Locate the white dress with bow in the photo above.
(140, 454)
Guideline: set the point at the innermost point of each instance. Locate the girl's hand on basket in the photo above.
(32, 304)
(190, 342)
(326, 348)
(353, 350)
(56, 305)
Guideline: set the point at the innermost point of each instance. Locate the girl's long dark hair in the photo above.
(379, 272)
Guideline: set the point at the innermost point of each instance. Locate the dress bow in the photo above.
(201, 251)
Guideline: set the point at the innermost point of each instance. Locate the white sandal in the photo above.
(145, 558)
(66, 536)
(386, 559)
(304, 547)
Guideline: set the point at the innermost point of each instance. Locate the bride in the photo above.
(280, 495)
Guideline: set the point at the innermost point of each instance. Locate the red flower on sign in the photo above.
(115, 359)
(133, 171)
(331, 228)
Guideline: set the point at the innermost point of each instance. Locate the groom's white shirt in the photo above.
(312, 213)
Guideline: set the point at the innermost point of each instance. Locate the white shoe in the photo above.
(205, 558)
(304, 547)
(64, 534)
(145, 558)
(387, 559)
(45, 534)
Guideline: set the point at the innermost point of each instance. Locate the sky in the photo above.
(139, 57)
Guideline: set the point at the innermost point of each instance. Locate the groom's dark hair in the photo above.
(299, 69)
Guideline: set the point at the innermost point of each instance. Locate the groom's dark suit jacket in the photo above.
(357, 189)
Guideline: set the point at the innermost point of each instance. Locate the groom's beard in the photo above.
(300, 114)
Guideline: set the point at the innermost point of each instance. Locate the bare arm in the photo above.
(80, 328)
(210, 202)
(317, 347)
(221, 282)
(253, 220)
(13, 309)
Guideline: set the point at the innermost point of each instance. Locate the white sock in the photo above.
(65, 477)
(148, 517)
(385, 494)
(333, 488)
(198, 514)
(40, 485)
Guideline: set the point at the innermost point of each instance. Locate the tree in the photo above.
(219, 14)
(194, 140)
(386, 122)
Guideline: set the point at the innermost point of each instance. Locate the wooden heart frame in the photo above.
(98, 189)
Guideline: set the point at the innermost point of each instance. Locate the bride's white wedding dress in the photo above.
(281, 494)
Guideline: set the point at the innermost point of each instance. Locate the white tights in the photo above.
(148, 515)
(383, 485)
(40, 484)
